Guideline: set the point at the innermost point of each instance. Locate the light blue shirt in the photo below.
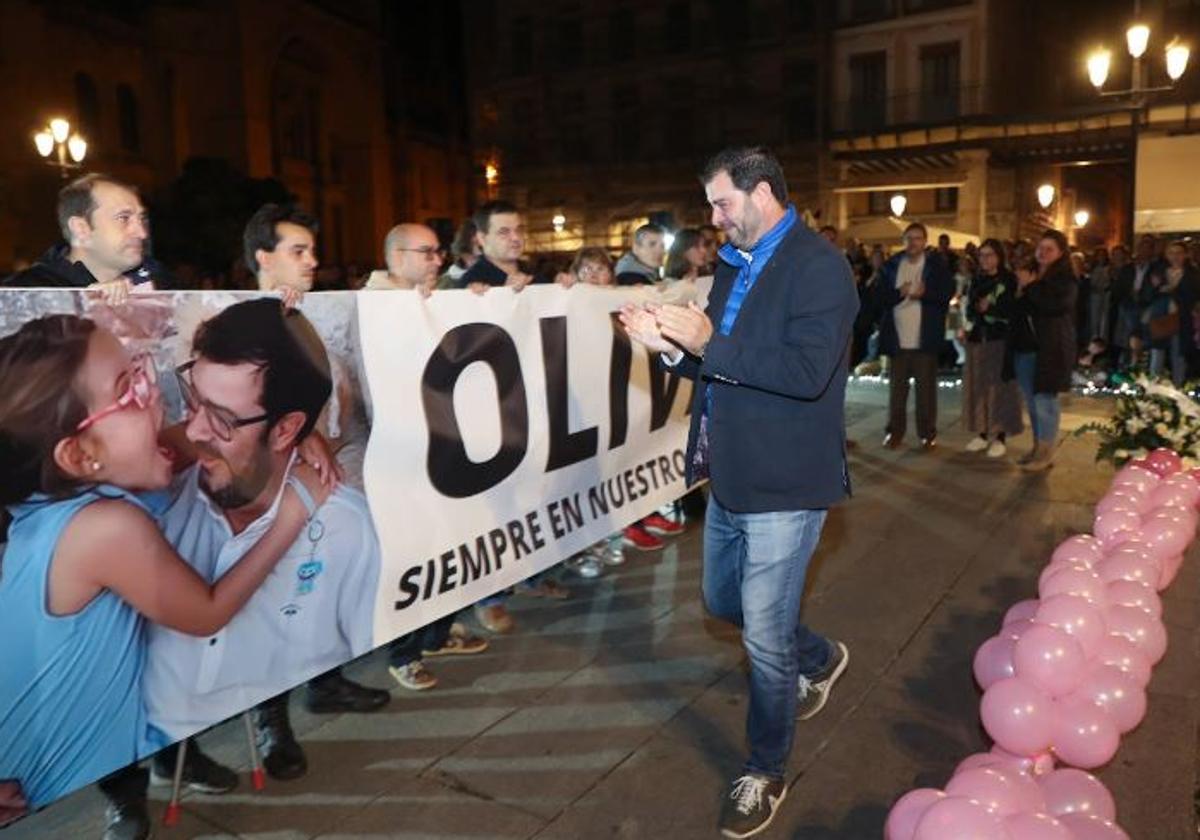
(71, 707)
(314, 611)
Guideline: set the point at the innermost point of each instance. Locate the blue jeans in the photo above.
(1043, 408)
(754, 570)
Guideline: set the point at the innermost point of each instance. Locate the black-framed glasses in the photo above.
(222, 421)
(428, 251)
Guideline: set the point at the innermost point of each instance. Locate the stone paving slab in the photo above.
(621, 713)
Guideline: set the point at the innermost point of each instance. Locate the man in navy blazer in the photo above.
(914, 292)
(769, 357)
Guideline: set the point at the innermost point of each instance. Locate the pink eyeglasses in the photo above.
(140, 392)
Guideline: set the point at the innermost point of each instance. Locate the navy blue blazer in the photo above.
(777, 430)
(939, 288)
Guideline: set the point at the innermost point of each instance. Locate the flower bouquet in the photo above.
(1151, 414)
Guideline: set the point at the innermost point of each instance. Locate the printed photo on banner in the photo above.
(212, 498)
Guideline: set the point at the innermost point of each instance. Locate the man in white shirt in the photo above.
(254, 390)
(413, 256)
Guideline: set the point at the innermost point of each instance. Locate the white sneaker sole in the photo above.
(728, 832)
(833, 678)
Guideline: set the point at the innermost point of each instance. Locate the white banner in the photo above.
(510, 431)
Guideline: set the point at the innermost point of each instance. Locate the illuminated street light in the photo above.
(491, 173)
(559, 221)
(898, 202)
(57, 136)
(1097, 65)
(1082, 217)
(1177, 60)
(1045, 195)
(1137, 38)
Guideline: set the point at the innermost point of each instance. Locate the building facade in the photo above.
(308, 93)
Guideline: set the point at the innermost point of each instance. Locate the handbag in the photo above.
(1164, 326)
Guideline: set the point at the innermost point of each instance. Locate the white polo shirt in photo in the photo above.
(313, 612)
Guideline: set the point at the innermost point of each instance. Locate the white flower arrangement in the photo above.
(1149, 415)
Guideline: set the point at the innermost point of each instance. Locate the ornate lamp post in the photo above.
(57, 137)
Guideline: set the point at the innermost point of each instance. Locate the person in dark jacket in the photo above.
(768, 357)
(1042, 342)
(1127, 298)
(991, 406)
(500, 231)
(914, 295)
(105, 237)
(1168, 301)
(640, 266)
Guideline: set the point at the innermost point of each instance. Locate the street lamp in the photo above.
(1045, 195)
(559, 221)
(1137, 41)
(898, 202)
(1082, 217)
(56, 136)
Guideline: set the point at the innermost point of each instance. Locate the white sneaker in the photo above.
(997, 449)
(586, 565)
(413, 676)
(977, 444)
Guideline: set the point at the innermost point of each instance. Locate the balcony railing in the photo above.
(915, 108)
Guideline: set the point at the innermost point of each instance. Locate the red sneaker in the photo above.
(660, 526)
(635, 536)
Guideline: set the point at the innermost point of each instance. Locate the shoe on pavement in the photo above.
(997, 449)
(334, 694)
(587, 565)
(637, 537)
(660, 526)
(814, 690)
(977, 444)
(127, 820)
(495, 618)
(928, 444)
(1028, 456)
(891, 441)
(460, 642)
(200, 773)
(413, 676)
(282, 756)
(751, 805)
(1043, 459)
(545, 588)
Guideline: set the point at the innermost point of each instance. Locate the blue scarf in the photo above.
(750, 265)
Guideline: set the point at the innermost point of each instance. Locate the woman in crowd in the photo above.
(86, 565)
(685, 259)
(868, 309)
(1042, 342)
(1169, 298)
(1099, 283)
(992, 407)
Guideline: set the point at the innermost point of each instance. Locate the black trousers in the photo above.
(921, 366)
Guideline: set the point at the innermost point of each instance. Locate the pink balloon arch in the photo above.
(1065, 676)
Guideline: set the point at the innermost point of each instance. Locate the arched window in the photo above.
(127, 119)
(87, 105)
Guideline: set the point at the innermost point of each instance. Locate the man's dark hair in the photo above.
(639, 235)
(747, 167)
(915, 226)
(262, 233)
(285, 348)
(483, 216)
(76, 199)
(944, 236)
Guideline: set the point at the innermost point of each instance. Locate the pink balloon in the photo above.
(907, 812)
(1083, 549)
(1174, 494)
(1194, 474)
(1084, 735)
(1164, 461)
(1085, 827)
(999, 792)
(976, 760)
(1186, 517)
(1016, 629)
(1136, 475)
(1141, 628)
(1116, 692)
(1050, 659)
(1071, 791)
(1034, 765)
(1020, 610)
(1136, 566)
(1075, 615)
(1029, 826)
(1018, 716)
(1123, 653)
(1166, 533)
(1132, 593)
(1170, 568)
(994, 661)
(1075, 581)
(1109, 524)
(1125, 498)
(955, 818)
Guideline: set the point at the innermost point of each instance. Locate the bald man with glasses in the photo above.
(413, 257)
